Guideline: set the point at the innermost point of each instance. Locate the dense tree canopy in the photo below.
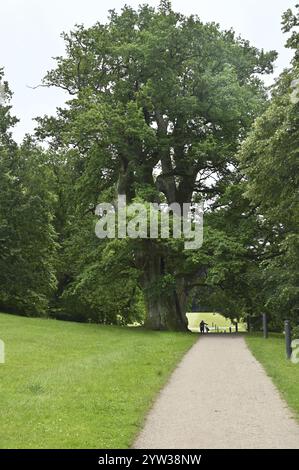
(27, 236)
(270, 161)
(162, 108)
(159, 103)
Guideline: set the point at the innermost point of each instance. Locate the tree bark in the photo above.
(165, 307)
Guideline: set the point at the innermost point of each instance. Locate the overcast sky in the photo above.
(30, 37)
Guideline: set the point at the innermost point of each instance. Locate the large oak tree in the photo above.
(158, 105)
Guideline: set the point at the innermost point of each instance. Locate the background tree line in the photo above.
(162, 108)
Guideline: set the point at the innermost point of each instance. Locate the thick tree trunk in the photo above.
(166, 308)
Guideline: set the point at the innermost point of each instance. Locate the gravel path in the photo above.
(219, 397)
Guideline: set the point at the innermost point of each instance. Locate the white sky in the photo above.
(30, 37)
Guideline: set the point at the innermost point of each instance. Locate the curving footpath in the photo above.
(219, 397)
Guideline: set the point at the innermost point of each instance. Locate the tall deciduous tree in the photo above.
(27, 237)
(159, 103)
(270, 162)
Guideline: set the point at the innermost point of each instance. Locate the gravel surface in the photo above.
(219, 397)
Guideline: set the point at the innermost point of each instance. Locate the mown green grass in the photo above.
(70, 385)
(194, 318)
(285, 375)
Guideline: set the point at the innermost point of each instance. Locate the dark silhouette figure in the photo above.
(202, 326)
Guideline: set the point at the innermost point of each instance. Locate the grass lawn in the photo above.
(194, 318)
(70, 385)
(271, 354)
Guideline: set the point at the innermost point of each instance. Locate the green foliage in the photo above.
(27, 236)
(94, 290)
(269, 158)
(158, 105)
(295, 332)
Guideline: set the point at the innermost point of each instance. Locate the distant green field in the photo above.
(71, 385)
(213, 320)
